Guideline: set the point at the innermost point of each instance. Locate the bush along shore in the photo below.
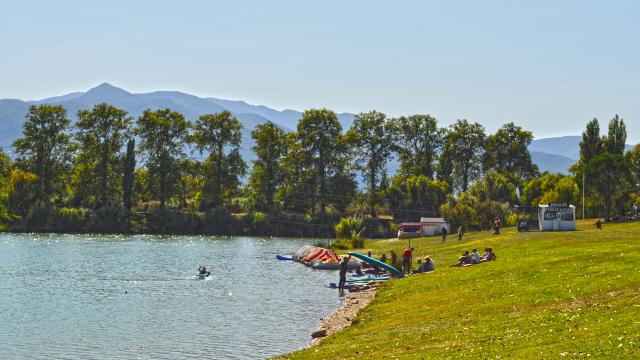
(548, 295)
(216, 221)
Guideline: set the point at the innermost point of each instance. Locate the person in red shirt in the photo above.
(406, 261)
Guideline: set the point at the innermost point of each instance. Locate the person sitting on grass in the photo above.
(420, 268)
(429, 265)
(463, 260)
(488, 255)
(475, 256)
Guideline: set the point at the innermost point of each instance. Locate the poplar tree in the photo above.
(163, 136)
(417, 141)
(465, 143)
(371, 143)
(44, 146)
(267, 174)
(219, 136)
(101, 134)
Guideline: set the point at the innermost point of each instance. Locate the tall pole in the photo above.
(583, 223)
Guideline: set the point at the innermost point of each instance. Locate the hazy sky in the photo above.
(549, 66)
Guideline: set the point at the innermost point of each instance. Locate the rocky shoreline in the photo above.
(344, 316)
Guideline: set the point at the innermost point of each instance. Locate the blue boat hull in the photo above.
(377, 263)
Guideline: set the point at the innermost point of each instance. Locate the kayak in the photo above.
(346, 286)
(202, 276)
(282, 257)
(366, 280)
(377, 263)
(334, 265)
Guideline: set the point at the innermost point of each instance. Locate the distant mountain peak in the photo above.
(106, 89)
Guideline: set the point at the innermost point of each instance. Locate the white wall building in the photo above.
(557, 217)
(433, 226)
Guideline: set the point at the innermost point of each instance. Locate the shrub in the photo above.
(350, 228)
(109, 219)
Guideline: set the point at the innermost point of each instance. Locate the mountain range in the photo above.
(552, 154)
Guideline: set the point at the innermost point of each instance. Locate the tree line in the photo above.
(109, 172)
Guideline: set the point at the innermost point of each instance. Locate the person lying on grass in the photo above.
(420, 268)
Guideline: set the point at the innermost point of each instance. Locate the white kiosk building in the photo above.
(557, 217)
(433, 226)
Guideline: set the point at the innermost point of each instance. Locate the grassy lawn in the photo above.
(548, 295)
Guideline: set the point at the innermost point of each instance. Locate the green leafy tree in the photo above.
(445, 161)
(418, 142)
(101, 134)
(163, 135)
(634, 163)
(371, 142)
(507, 152)
(190, 184)
(616, 139)
(606, 172)
(5, 177)
(21, 192)
(267, 173)
(44, 147)
(220, 136)
(591, 144)
(565, 191)
(319, 133)
(465, 144)
(495, 186)
(298, 190)
(416, 196)
(128, 174)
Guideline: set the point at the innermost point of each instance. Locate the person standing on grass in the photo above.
(344, 265)
(460, 233)
(496, 226)
(406, 261)
(444, 235)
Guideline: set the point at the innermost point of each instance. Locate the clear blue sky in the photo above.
(549, 66)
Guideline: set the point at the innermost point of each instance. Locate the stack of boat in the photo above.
(320, 258)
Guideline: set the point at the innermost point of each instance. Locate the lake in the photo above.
(136, 297)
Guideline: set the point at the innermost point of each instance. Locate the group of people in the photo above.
(475, 258)
(445, 232)
(425, 265)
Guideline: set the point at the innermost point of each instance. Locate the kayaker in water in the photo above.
(202, 270)
(344, 265)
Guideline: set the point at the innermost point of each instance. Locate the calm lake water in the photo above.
(136, 297)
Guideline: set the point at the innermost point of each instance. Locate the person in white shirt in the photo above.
(475, 256)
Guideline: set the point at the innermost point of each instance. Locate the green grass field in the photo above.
(549, 295)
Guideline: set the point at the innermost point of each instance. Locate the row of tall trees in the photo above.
(109, 162)
(610, 175)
